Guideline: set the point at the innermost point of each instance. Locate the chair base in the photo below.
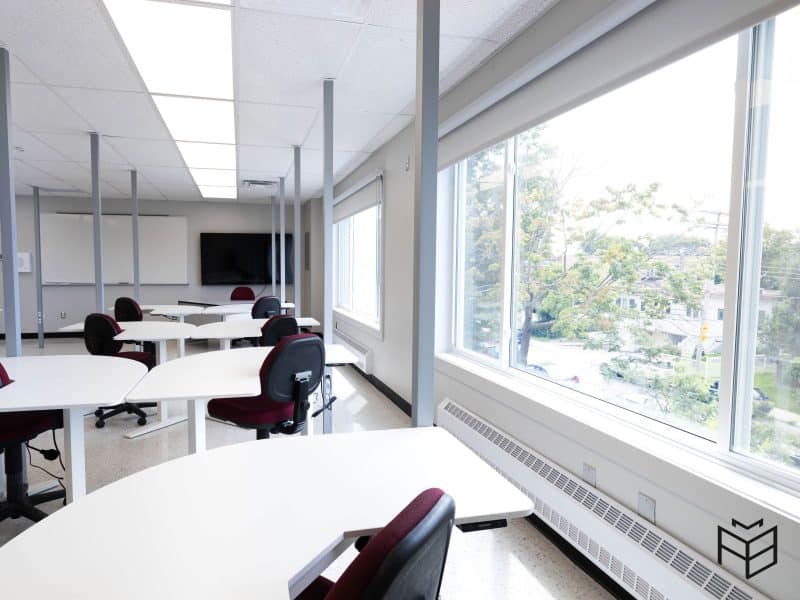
(18, 503)
(132, 409)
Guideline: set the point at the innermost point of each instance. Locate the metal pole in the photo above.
(135, 226)
(327, 235)
(425, 179)
(282, 183)
(99, 299)
(298, 235)
(8, 215)
(37, 241)
(272, 228)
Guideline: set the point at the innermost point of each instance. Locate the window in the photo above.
(592, 249)
(481, 181)
(769, 417)
(357, 251)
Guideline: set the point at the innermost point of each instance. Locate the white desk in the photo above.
(226, 311)
(179, 312)
(225, 331)
(158, 332)
(72, 383)
(220, 374)
(247, 521)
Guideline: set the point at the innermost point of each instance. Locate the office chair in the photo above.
(128, 309)
(98, 335)
(403, 561)
(243, 293)
(290, 372)
(277, 328)
(16, 429)
(266, 307)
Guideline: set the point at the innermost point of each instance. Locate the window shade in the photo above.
(361, 198)
(660, 34)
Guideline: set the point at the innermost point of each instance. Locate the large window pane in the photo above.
(774, 411)
(621, 212)
(482, 197)
(357, 264)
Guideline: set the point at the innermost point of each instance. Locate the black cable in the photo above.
(53, 475)
(55, 443)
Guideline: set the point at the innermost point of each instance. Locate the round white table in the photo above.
(74, 384)
(227, 311)
(245, 521)
(228, 330)
(199, 378)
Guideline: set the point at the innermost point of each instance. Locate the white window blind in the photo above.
(359, 198)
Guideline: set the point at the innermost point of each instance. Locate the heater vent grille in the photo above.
(697, 571)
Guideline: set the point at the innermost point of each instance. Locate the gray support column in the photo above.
(8, 215)
(272, 228)
(298, 236)
(97, 209)
(282, 190)
(327, 211)
(37, 242)
(135, 226)
(425, 179)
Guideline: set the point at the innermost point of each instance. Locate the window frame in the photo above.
(738, 312)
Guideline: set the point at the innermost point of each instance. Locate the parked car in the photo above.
(761, 405)
(554, 372)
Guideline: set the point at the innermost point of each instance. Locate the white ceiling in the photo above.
(71, 74)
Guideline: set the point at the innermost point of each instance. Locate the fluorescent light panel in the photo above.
(208, 156)
(214, 177)
(213, 191)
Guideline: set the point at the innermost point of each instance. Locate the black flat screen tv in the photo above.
(243, 258)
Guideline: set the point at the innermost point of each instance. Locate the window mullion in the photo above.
(508, 234)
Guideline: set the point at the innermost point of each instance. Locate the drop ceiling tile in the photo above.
(124, 114)
(380, 75)
(36, 108)
(121, 180)
(269, 160)
(68, 43)
(76, 148)
(338, 10)
(273, 124)
(168, 177)
(69, 173)
(352, 130)
(29, 147)
(395, 126)
(147, 153)
(20, 73)
(180, 192)
(27, 176)
(283, 59)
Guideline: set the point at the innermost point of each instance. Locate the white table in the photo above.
(245, 521)
(158, 332)
(225, 331)
(226, 311)
(72, 383)
(219, 374)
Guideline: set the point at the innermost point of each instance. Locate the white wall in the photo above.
(78, 301)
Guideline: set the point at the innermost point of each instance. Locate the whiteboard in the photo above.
(68, 249)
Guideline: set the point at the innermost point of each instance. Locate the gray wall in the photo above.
(77, 301)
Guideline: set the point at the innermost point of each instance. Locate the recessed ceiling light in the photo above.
(180, 49)
(214, 177)
(198, 120)
(222, 192)
(208, 156)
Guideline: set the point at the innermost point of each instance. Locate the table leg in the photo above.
(327, 394)
(75, 454)
(225, 344)
(181, 341)
(161, 354)
(197, 424)
(2, 481)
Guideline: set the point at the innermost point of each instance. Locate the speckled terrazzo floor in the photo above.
(516, 562)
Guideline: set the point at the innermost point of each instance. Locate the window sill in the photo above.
(693, 455)
(353, 323)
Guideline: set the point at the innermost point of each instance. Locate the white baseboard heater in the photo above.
(363, 353)
(642, 558)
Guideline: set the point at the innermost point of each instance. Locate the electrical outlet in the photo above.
(589, 474)
(62, 315)
(647, 508)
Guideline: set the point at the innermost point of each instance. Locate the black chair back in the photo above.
(98, 335)
(266, 307)
(277, 328)
(127, 309)
(302, 353)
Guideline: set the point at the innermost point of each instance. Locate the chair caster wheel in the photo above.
(98, 413)
(100, 424)
(142, 421)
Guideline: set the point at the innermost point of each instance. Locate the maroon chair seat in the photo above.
(17, 428)
(243, 293)
(292, 369)
(148, 359)
(405, 559)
